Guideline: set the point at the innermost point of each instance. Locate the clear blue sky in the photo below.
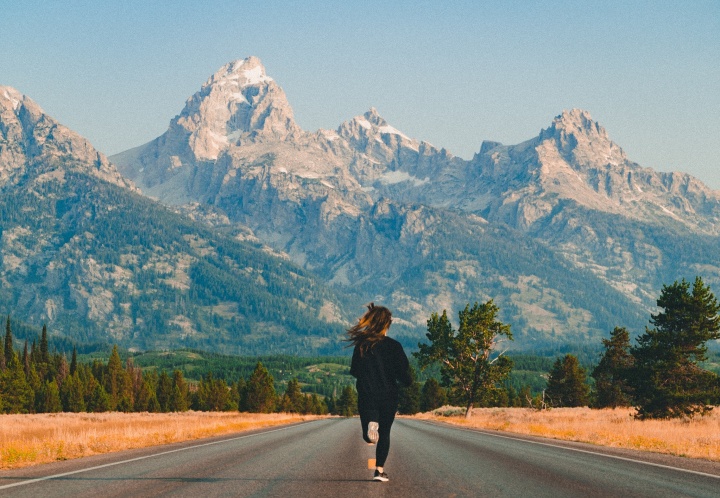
(453, 73)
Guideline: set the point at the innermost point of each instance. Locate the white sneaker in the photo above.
(373, 432)
(380, 476)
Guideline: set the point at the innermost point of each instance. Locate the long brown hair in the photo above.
(371, 328)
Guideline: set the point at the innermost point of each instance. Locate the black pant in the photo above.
(384, 415)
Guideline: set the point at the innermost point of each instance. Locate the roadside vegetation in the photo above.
(617, 428)
(657, 394)
(42, 438)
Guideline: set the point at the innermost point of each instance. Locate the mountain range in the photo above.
(564, 232)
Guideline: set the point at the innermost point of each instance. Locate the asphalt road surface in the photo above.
(327, 458)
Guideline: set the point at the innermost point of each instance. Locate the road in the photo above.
(327, 458)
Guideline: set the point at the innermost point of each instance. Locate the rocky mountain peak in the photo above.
(371, 128)
(30, 139)
(374, 118)
(10, 98)
(580, 140)
(239, 101)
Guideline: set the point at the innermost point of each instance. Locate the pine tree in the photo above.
(220, 396)
(146, 400)
(73, 361)
(433, 395)
(9, 349)
(118, 384)
(464, 356)
(164, 391)
(72, 395)
(293, 401)
(61, 368)
(44, 350)
(241, 387)
(260, 391)
(26, 359)
(347, 403)
(99, 400)
(611, 388)
(567, 383)
(48, 398)
(331, 404)
(179, 395)
(318, 407)
(16, 393)
(666, 376)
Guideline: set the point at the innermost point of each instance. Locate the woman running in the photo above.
(378, 363)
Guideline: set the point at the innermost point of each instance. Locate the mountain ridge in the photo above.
(333, 198)
(83, 252)
(563, 231)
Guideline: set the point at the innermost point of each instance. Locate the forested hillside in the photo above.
(102, 264)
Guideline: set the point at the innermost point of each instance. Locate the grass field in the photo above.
(696, 438)
(33, 439)
(42, 438)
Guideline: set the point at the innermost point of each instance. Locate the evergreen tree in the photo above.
(293, 401)
(241, 388)
(317, 405)
(331, 404)
(48, 398)
(409, 397)
(146, 400)
(433, 395)
(26, 359)
(464, 357)
(212, 394)
(347, 403)
(260, 391)
(666, 377)
(611, 388)
(218, 394)
(16, 393)
(61, 369)
(118, 384)
(44, 350)
(72, 395)
(73, 361)
(567, 383)
(164, 391)
(99, 400)
(179, 395)
(9, 349)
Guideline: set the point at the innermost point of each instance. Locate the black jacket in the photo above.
(378, 372)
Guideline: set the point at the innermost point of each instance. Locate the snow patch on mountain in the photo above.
(392, 177)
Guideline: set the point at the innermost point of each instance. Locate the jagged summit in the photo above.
(239, 99)
(32, 141)
(580, 139)
(370, 123)
(249, 71)
(10, 98)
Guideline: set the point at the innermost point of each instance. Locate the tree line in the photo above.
(40, 381)
(660, 376)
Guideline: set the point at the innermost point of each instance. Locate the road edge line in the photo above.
(64, 474)
(607, 455)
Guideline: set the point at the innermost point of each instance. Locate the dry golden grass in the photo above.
(33, 439)
(696, 438)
